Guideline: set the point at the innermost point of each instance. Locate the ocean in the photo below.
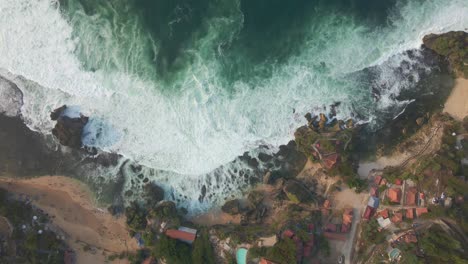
(185, 87)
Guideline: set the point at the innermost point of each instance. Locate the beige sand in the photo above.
(72, 210)
(457, 103)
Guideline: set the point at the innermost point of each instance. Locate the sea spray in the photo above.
(198, 109)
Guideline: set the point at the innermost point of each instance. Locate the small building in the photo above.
(288, 233)
(397, 218)
(411, 196)
(384, 223)
(399, 182)
(184, 235)
(448, 202)
(378, 179)
(383, 182)
(384, 213)
(374, 191)
(368, 213)
(373, 202)
(421, 211)
(329, 161)
(394, 195)
(410, 213)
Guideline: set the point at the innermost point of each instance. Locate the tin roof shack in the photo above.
(373, 202)
(183, 234)
(394, 195)
(411, 196)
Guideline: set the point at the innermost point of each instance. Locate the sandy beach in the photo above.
(74, 214)
(457, 103)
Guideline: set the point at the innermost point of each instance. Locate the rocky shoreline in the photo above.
(289, 202)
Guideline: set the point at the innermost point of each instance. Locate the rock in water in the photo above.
(11, 98)
(68, 130)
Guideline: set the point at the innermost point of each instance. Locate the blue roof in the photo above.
(241, 256)
(373, 202)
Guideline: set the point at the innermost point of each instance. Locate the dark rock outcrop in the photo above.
(231, 207)
(153, 194)
(68, 130)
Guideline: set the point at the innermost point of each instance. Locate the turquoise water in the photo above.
(241, 256)
(184, 87)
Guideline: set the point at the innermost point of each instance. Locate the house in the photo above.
(368, 213)
(394, 195)
(184, 234)
(373, 202)
(411, 196)
(397, 217)
(377, 180)
(384, 213)
(410, 238)
(410, 213)
(384, 223)
(374, 191)
(421, 211)
(329, 161)
(398, 182)
(383, 182)
(266, 261)
(347, 220)
(288, 233)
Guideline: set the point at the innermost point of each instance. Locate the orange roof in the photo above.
(420, 211)
(383, 182)
(180, 235)
(348, 216)
(394, 194)
(384, 213)
(409, 213)
(288, 233)
(330, 160)
(397, 217)
(266, 261)
(411, 196)
(378, 179)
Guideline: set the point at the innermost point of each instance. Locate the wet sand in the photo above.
(457, 103)
(74, 214)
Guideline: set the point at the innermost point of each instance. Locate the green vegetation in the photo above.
(439, 247)
(31, 247)
(173, 251)
(202, 252)
(284, 251)
(453, 46)
(136, 217)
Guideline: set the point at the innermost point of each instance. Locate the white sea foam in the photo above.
(203, 126)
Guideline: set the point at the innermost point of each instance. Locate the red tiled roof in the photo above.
(394, 194)
(420, 211)
(411, 196)
(288, 233)
(368, 213)
(397, 217)
(378, 179)
(330, 160)
(180, 235)
(410, 213)
(384, 213)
